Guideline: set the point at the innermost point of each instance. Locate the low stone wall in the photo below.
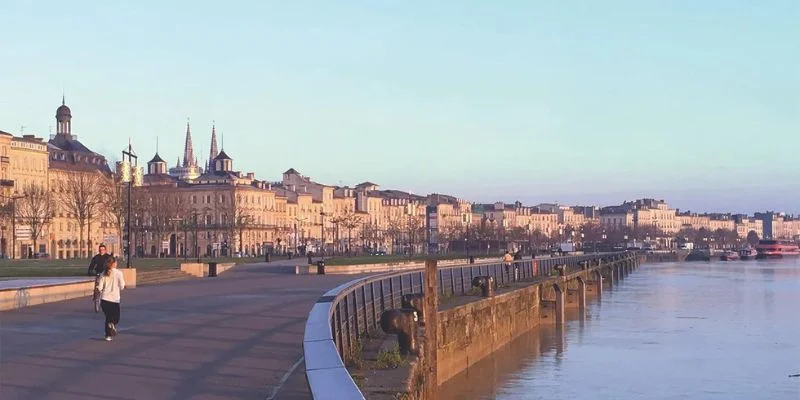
(473, 331)
(129, 274)
(34, 294)
(30, 292)
(200, 270)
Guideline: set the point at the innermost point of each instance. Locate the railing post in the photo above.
(452, 282)
(346, 344)
(430, 382)
(374, 306)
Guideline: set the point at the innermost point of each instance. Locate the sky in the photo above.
(579, 102)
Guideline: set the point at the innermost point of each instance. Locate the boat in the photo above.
(776, 249)
(729, 256)
(747, 253)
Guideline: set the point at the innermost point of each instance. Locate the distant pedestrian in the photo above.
(98, 264)
(109, 286)
(507, 260)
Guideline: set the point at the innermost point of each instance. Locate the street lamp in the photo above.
(175, 221)
(129, 165)
(13, 222)
(196, 249)
(322, 214)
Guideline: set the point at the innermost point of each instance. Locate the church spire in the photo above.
(188, 152)
(214, 152)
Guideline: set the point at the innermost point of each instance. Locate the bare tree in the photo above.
(35, 209)
(115, 207)
(350, 221)
(394, 231)
(242, 218)
(79, 194)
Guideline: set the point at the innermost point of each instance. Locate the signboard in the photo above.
(22, 232)
(110, 239)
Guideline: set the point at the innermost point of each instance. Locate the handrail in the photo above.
(345, 313)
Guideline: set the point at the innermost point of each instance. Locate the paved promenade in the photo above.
(238, 336)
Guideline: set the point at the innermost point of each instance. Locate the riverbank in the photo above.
(472, 328)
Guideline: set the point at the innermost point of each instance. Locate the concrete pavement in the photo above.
(238, 336)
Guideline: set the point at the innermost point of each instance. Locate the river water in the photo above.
(722, 330)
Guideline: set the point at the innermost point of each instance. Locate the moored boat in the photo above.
(729, 256)
(747, 254)
(776, 249)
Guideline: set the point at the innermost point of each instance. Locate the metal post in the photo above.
(196, 249)
(132, 159)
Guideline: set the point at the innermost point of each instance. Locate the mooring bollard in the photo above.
(414, 301)
(403, 323)
(486, 283)
(321, 267)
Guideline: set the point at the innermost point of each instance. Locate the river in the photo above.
(693, 330)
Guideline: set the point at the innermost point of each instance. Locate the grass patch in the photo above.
(390, 359)
(356, 358)
(78, 266)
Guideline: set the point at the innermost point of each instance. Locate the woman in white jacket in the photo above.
(109, 286)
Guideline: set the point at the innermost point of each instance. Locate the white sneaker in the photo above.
(108, 338)
(112, 329)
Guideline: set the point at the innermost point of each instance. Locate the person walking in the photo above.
(508, 259)
(98, 264)
(109, 286)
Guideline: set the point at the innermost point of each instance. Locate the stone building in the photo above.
(79, 180)
(218, 212)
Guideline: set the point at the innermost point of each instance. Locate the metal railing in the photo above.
(352, 310)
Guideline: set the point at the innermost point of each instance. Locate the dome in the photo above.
(63, 112)
(157, 159)
(222, 156)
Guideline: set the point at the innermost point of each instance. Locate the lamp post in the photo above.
(13, 222)
(175, 221)
(196, 249)
(322, 214)
(131, 164)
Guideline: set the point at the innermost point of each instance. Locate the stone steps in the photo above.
(161, 276)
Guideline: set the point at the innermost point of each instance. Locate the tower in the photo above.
(188, 152)
(64, 120)
(213, 152)
(157, 166)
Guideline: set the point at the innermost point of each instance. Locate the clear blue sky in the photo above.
(696, 102)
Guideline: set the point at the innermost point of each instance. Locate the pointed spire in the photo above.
(214, 152)
(63, 99)
(188, 152)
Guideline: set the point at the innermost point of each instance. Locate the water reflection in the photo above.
(668, 331)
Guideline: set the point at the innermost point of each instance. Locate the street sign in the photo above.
(110, 239)
(23, 232)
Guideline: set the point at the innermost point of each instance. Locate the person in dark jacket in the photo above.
(98, 264)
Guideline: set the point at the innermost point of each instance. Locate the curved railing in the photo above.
(353, 309)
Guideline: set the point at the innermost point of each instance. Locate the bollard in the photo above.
(486, 283)
(310, 261)
(266, 257)
(212, 270)
(321, 267)
(415, 302)
(403, 323)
